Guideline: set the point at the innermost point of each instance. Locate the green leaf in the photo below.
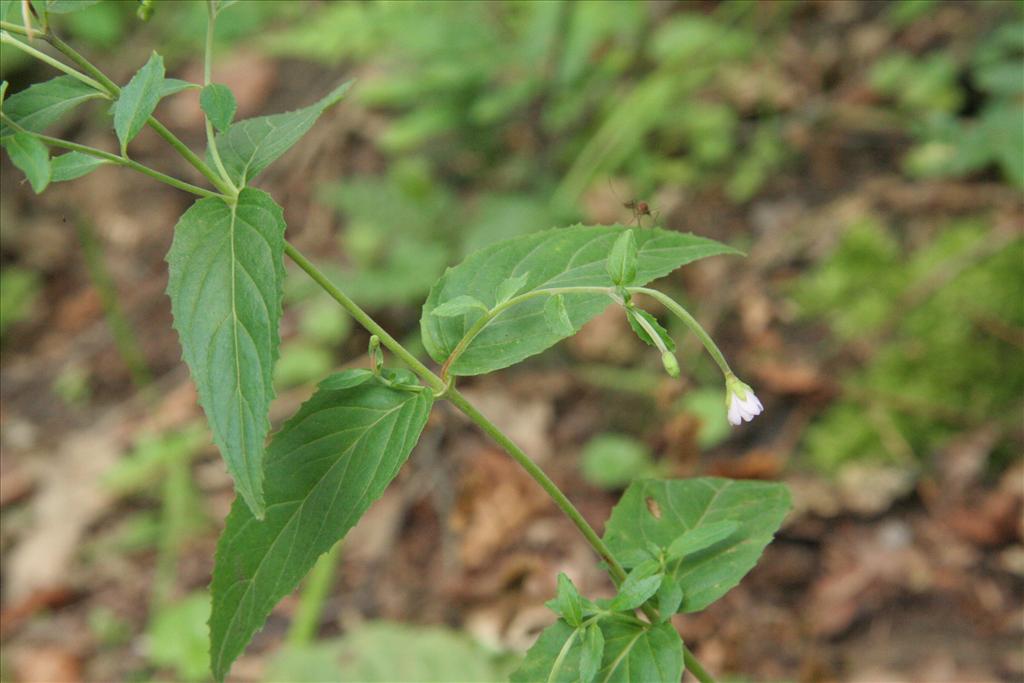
(670, 596)
(662, 511)
(346, 380)
(633, 651)
(567, 603)
(138, 99)
(73, 165)
(593, 651)
(218, 103)
(3, 92)
(249, 146)
(173, 86)
(460, 305)
(621, 262)
(31, 156)
(700, 538)
(556, 316)
(39, 106)
(510, 287)
(554, 258)
(633, 314)
(639, 586)
(226, 275)
(324, 469)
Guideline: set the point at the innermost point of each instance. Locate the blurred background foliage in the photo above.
(492, 119)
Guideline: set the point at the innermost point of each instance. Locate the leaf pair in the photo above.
(549, 260)
(708, 531)
(35, 109)
(686, 542)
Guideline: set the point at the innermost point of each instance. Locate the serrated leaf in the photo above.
(510, 287)
(138, 99)
(248, 147)
(593, 651)
(621, 261)
(41, 105)
(324, 469)
(556, 316)
(640, 584)
(31, 156)
(661, 511)
(73, 165)
(173, 86)
(460, 305)
(226, 275)
(554, 258)
(632, 315)
(633, 651)
(567, 603)
(700, 538)
(218, 103)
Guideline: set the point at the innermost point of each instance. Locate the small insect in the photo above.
(639, 208)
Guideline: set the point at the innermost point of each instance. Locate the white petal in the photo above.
(734, 412)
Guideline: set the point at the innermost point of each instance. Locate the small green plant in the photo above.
(670, 546)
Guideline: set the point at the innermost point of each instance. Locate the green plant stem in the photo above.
(493, 313)
(694, 667)
(13, 28)
(364, 319)
(441, 387)
(116, 160)
(211, 141)
(446, 390)
(690, 321)
(83, 63)
(7, 39)
(311, 602)
(615, 569)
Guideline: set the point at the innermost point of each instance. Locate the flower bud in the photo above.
(668, 359)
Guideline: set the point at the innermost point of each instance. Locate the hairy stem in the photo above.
(106, 85)
(364, 319)
(615, 569)
(694, 667)
(116, 160)
(211, 142)
(690, 321)
(7, 39)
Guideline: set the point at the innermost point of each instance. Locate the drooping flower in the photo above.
(741, 402)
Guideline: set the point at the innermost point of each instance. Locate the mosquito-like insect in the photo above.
(639, 208)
